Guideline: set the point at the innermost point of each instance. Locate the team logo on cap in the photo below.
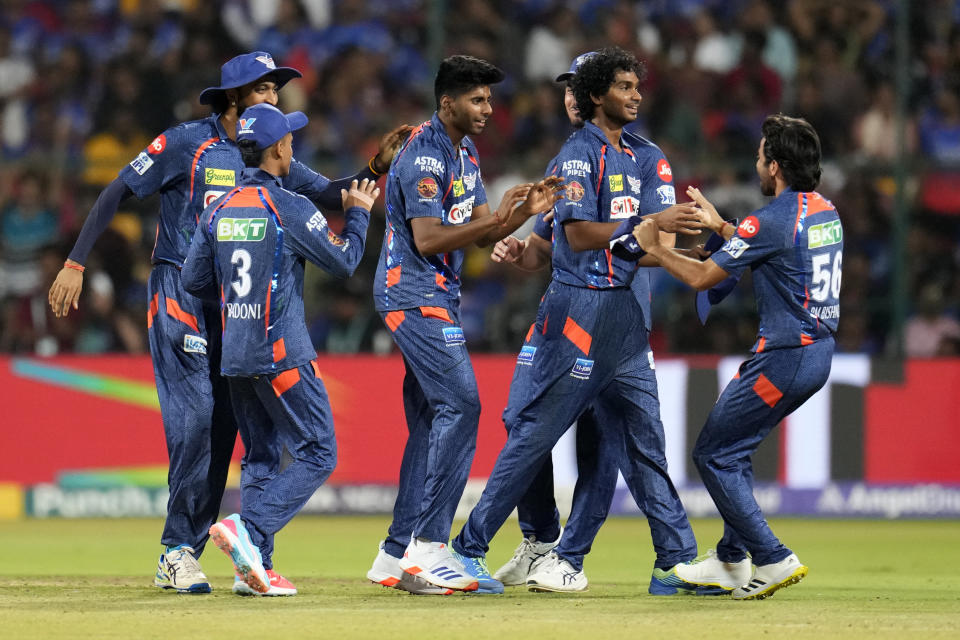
(427, 187)
(574, 191)
(246, 124)
(267, 61)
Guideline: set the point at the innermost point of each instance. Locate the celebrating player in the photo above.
(589, 341)
(249, 253)
(436, 206)
(794, 247)
(598, 455)
(190, 165)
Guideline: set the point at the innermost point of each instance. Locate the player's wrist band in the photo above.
(723, 226)
(372, 169)
(78, 267)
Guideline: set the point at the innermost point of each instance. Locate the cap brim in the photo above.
(563, 77)
(283, 75)
(296, 120)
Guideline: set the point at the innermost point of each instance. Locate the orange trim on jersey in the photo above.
(577, 335)
(736, 376)
(193, 166)
(173, 309)
(394, 319)
(273, 207)
(435, 312)
(440, 280)
(767, 391)
(530, 332)
(545, 321)
(316, 368)
(245, 197)
(279, 350)
(153, 310)
(761, 344)
(603, 150)
(393, 275)
(816, 203)
(609, 266)
(284, 381)
(805, 340)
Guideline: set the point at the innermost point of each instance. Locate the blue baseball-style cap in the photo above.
(574, 66)
(265, 124)
(246, 68)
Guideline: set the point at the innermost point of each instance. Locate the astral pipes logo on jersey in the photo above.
(526, 355)
(453, 336)
(575, 168)
(194, 344)
(241, 229)
(246, 124)
(316, 221)
(461, 211)
(426, 163)
(582, 368)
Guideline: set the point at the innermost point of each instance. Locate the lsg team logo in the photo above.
(582, 368)
(427, 187)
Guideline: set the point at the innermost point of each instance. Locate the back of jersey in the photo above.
(248, 253)
(820, 239)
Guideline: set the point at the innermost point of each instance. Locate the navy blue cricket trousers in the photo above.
(184, 335)
(767, 388)
(442, 408)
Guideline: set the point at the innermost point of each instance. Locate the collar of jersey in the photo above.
(256, 175)
(219, 127)
(595, 131)
(441, 131)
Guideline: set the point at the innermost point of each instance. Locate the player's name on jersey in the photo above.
(244, 310)
(825, 313)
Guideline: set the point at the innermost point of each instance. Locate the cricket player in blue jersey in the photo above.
(191, 165)
(436, 206)
(597, 457)
(794, 248)
(249, 253)
(589, 342)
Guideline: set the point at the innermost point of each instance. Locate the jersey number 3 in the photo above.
(241, 258)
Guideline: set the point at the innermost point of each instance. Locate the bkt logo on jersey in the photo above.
(220, 177)
(582, 369)
(461, 212)
(453, 336)
(823, 235)
(241, 229)
(623, 207)
(194, 344)
(246, 125)
(526, 355)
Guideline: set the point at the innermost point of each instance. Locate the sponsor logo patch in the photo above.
(458, 189)
(575, 168)
(461, 211)
(526, 355)
(316, 221)
(574, 191)
(635, 184)
(428, 163)
(241, 229)
(664, 170)
(246, 125)
(427, 187)
(141, 163)
(823, 235)
(194, 344)
(667, 194)
(616, 182)
(334, 239)
(220, 177)
(158, 145)
(210, 196)
(453, 336)
(735, 246)
(623, 207)
(749, 227)
(582, 368)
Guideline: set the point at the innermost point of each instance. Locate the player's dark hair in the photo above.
(595, 76)
(794, 144)
(459, 74)
(251, 154)
(218, 103)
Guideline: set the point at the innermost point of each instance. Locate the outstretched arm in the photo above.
(699, 275)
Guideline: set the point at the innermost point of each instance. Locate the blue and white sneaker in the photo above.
(433, 562)
(666, 582)
(477, 567)
(231, 537)
(177, 569)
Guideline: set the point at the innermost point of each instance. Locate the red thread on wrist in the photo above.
(78, 267)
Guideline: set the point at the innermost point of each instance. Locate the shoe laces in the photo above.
(185, 558)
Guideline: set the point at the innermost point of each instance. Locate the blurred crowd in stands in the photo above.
(86, 84)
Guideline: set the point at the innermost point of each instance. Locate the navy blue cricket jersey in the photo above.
(191, 165)
(428, 178)
(250, 251)
(794, 246)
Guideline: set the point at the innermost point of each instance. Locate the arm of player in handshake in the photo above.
(697, 274)
(584, 235)
(340, 254)
(65, 290)
(530, 254)
(326, 193)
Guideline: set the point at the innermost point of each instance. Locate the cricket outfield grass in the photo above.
(93, 579)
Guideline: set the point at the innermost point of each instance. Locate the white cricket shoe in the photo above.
(525, 560)
(386, 571)
(433, 562)
(178, 569)
(769, 578)
(556, 574)
(279, 586)
(710, 571)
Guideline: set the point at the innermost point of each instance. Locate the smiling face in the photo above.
(621, 103)
(259, 91)
(468, 113)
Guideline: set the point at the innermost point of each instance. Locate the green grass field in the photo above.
(92, 579)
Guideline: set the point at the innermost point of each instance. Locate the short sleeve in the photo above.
(757, 238)
(579, 201)
(420, 174)
(157, 165)
(656, 191)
